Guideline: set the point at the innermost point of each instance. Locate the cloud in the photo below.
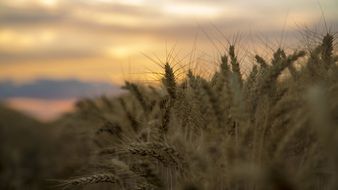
(44, 55)
(29, 15)
(56, 89)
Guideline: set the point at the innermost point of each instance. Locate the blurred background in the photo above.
(54, 51)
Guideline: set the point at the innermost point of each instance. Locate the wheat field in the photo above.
(273, 128)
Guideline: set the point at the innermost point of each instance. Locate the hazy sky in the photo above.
(104, 40)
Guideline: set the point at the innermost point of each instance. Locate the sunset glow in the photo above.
(187, 10)
(41, 108)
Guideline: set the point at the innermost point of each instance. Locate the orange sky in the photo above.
(104, 39)
(107, 40)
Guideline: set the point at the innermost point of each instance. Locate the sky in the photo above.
(102, 42)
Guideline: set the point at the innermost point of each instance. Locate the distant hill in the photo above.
(26, 150)
(13, 119)
(32, 153)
